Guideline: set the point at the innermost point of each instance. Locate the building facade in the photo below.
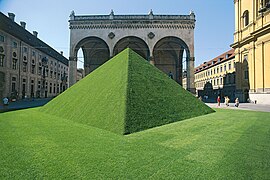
(28, 66)
(80, 74)
(166, 41)
(252, 49)
(216, 77)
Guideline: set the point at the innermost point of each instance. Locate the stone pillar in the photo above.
(72, 74)
(151, 60)
(190, 75)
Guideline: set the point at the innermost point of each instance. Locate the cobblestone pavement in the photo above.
(24, 104)
(243, 106)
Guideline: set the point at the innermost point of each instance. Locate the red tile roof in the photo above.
(223, 57)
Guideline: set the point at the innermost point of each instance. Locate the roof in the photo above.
(217, 60)
(19, 32)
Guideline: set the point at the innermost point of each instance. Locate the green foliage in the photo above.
(228, 144)
(126, 95)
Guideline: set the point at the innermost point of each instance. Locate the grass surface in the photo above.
(126, 95)
(153, 99)
(98, 99)
(228, 144)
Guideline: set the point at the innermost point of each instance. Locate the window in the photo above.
(33, 53)
(225, 67)
(25, 49)
(217, 69)
(39, 70)
(15, 45)
(230, 66)
(220, 68)
(13, 84)
(39, 86)
(2, 60)
(246, 18)
(24, 66)
(245, 67)
(14, 64)
(217, 81)
(33, 69)
(2, 38)
(50, 90)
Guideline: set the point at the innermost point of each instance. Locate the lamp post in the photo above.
(44, 64)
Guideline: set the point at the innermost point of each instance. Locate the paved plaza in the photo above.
(29, 103)
(243, 106)
(24, 104)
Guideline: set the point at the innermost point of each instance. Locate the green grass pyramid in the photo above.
(126, 95)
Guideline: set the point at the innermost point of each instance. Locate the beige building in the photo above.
(252, 49)
(216, 77)
(80, 74)
(28, 66)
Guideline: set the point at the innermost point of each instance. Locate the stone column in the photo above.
(190, 75)
(151, 60)
(72, 74)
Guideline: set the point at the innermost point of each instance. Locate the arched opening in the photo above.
(91, 53)
(171, 55)
(246, 78)
(246, 18)
(136, 44)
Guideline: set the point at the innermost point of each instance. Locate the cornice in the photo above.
(131, 25)
(112, 21)
(133, 17)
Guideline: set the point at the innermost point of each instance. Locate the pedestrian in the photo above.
(218, 101)
(236, 102)
(170, 75)
(5, 101)
(200, 98)
(227, 101)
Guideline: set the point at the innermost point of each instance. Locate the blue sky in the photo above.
(213, 32)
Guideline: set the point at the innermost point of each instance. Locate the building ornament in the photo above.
(151, 35)
(111, 35)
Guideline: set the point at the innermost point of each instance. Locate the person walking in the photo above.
(5, 101)
(218, 101)
(227, 101)
(170, 75)
(236, 102)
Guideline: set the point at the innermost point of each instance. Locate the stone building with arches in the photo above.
(166, 41)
